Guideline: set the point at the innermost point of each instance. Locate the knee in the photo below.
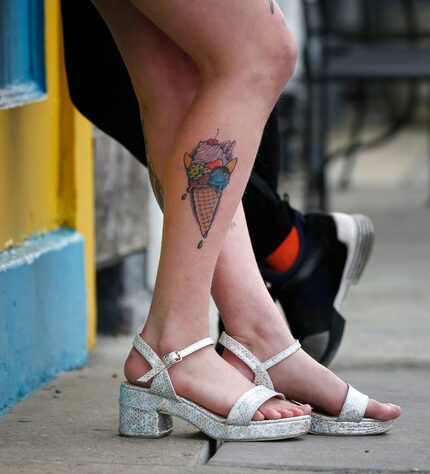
(168, 86)
(175, 98)
(261, 67)
(283, 59)
(276, 59)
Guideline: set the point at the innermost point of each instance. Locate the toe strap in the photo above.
(354, 406)
(259, 368)
(262, 377)
(248, 403)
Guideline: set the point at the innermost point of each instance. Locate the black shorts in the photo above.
(99, 84)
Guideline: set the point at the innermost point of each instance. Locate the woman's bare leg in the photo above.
(250, 316)
(241, 79)
(179, 311)
(248, 311)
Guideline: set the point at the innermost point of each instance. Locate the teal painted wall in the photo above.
(43, 307)
(22, 55)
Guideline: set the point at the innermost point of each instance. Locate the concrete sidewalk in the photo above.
(70, 426)
(404, 449)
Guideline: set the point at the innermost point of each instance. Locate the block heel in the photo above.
(139, 423)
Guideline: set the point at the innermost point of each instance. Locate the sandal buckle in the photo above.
(171, 358)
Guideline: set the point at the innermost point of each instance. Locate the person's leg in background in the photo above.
(270, 219)
(268, 162)
(190, 284)
(308, 260)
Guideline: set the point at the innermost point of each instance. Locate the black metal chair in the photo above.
(364, 41)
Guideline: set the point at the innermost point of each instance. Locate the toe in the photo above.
(274, 409)
(286, 412)
(258, 416)
(382, 411)
(289, 409)
(270, 413)
(307, 409)
(297, 411)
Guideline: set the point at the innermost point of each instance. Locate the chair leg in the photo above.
(428, 160)
(316, 191)
(357, 127)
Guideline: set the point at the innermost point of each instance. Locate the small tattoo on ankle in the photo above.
(209, 167)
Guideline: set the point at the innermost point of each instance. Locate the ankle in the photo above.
(263, 338)
(162, 341)
(171, 337)
(264, 327)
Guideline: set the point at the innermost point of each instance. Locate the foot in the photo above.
(302, 378)
(334, 249)
(206, 379)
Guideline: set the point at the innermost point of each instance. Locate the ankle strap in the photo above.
(176, 356)
(261, 376)
(295, 346)
(160, 364)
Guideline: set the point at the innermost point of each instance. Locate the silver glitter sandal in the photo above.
(146, 412)
(350, 422)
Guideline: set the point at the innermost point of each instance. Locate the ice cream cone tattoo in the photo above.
(209, 167)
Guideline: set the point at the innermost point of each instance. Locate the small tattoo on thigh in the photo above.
(153, 178)
(209, 167)
(272, 7)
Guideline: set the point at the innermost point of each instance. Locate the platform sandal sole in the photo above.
(329, 426)
(349, 422)
(146, 415)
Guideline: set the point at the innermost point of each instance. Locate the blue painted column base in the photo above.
(43, 321)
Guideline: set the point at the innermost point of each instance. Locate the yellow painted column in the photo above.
(29, 153)
(78, 197)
